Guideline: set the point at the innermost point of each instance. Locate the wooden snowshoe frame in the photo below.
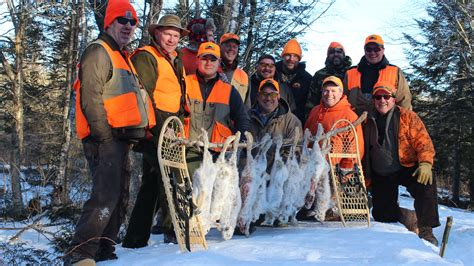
(174, 170)
(347, 175)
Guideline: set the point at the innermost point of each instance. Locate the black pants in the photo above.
(105, 210)
(151, 196)
(385, 198)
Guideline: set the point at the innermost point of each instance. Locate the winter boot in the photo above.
(426, 233)
(85, 262)
(170, 238)
(408, 219)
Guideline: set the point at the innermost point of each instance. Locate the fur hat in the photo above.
(292, 47)
(198, 27)
(118, 8)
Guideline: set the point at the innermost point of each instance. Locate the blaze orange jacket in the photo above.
(414, 142)
(328, 116)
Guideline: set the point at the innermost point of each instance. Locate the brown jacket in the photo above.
(282, 123)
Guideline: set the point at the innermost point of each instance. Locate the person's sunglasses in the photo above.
(373, 49)
(272, 95)
(378, 97)
(212, 59)
(124, 21)
(264, 65)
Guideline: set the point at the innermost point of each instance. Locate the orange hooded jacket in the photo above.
(328, 116)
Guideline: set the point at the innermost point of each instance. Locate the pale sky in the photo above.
(350, 21)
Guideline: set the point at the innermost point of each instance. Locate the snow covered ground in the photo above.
(308, 243)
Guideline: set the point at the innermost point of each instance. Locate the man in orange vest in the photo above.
(112, 112)
(230, 58)
(212, 104)
(160, 69)
(372, 68)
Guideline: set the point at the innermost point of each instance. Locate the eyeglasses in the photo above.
(124, 21)
(212, 59)
(378, 97)
(272, 95)
(373, 49)
(265, 65)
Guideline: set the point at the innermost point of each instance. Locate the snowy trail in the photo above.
(310, 244)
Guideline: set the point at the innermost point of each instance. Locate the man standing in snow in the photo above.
(372, 68)
(292, 72)
(399, 151)
(114, 112)
(160, 69)
(230, 59)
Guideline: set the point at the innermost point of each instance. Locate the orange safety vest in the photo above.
(167, 93)
(240, 81)
(389, 74)
(212, 115)
(125, 103)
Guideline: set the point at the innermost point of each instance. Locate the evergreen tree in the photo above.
(442, 62)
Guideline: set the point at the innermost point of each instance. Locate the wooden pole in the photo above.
(447, 229)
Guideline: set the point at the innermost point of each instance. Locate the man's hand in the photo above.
(424, 174)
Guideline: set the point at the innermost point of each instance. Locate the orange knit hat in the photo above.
(118, 8)
(292, 47)
(334, 45)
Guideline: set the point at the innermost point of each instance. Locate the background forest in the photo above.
(44, 170)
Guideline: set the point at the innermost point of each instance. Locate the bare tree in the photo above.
(19, 16)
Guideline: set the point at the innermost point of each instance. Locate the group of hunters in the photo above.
(123, 100)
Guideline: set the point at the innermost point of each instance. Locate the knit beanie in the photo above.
(292, 47)
(118, 8)
(334, 45)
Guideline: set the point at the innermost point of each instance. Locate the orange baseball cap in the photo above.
(228, 37)
(333, 79)
(383, 86)
(269, 82)
(375, 39)
(209, 48)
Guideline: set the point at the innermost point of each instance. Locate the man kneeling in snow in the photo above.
(399, 151)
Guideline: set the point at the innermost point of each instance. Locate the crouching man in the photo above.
(399, 151)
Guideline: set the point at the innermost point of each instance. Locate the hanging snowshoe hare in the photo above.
(221, 184)
(292, 186)
(246, 184)
(308, 166)
(260, 204)
(323, 194)
(233, 201)
(278, 176)
(203, 184)
(318, 161)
